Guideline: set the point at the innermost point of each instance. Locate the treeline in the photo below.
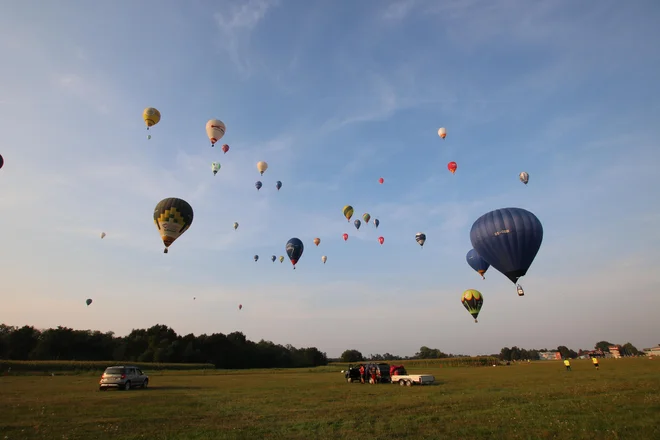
(156, 344)
(521, 354)
(423, 353)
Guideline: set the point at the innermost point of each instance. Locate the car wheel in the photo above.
(145, 384)
(127, 386)
(402, 383)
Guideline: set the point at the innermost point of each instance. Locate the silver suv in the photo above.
(123, 377)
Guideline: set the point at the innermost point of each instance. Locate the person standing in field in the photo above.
(568, 364)
(595, 361)
(373, 375)
(362, 373)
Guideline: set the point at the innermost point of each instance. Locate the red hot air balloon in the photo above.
(381, 240)
(451, 166)
(381, 180)
(225, 148)
(240, 306)
(345, 237)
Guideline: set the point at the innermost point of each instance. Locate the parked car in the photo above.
(123, 378)
(352, 374)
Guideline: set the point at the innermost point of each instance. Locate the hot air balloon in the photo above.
(420, 237)
(324, 259)
(381, 180)
(278, 185)
(151, 116)
(452, 166)
(256, 258)
(294, 249)
(88, 302)
(345, 236)
(442, 132)
(258, 185)
(194, 298)
(281, 258)
(366, 217)
(172, 217)
(524, 177)
(215, 167)
(357, 223)
(235, 225)
(477, 263)
(348, 212)
(2, 161)
(262, 167)
(381, 240)
(508, 239)
(225, 148)
(215, 130)
(376, 222)
(472, 300)
(317, 241)
(102, 234)
(273, 258)
(240, 306)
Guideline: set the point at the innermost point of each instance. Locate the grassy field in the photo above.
(539, 400)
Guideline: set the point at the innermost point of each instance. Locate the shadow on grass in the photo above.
(156, 388)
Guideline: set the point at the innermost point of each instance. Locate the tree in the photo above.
(566, 353)
(630, 350)
(351, 356)
(603, 346)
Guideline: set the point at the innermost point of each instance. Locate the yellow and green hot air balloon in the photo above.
(366, 217)
(348, 212)
(172, 217)
(281, 258)
(151, 117)
(472, 300)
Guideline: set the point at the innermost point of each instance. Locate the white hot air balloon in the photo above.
(524, 177)
(324, 259)
(102, 234)
(442, 132)
(215, 130)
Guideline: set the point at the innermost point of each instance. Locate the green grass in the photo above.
(524, 401)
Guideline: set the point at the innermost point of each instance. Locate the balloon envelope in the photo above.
(151, 116)
(442, 132)
(215, 130)
(420, 237)
(376, 222)
(524, 177)
(508, 239)
(472, 300)
(294, 249)
(476, 262)
(278, 185)
(348, 212)
(172, 217)
(452, 166)
(88, 302)
(262, 167)
(357, 223)
(2, 161)
(258, 185)
(225, 148)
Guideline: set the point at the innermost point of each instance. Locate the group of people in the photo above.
(594, 360)
(372, 372)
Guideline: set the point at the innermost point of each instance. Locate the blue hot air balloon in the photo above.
(508, 239)
(273, 258)
(294, 249)
(258, 185)
(477, 263)
(357, 223)
(376, 222)
(278, 185)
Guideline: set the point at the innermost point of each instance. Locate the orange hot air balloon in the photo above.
(345, 237)
(317, 241)
(451, 166)
(225, 148)
(381, 240)
(381, 180)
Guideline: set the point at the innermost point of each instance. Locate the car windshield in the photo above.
(114, 371)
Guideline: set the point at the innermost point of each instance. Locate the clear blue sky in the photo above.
(333, 95)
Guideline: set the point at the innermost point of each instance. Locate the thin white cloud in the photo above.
(398, 10)
(236, 22)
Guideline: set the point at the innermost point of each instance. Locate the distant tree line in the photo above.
(506, 354)
(519, 354)
(423, 353)
(156, 344)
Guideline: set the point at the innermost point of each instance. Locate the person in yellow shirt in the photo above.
(568, 364)
(595, 361)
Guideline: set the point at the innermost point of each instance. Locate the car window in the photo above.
(139, 372)
(130, 371)
(114, 371)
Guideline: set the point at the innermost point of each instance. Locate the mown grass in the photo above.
(539, 400)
